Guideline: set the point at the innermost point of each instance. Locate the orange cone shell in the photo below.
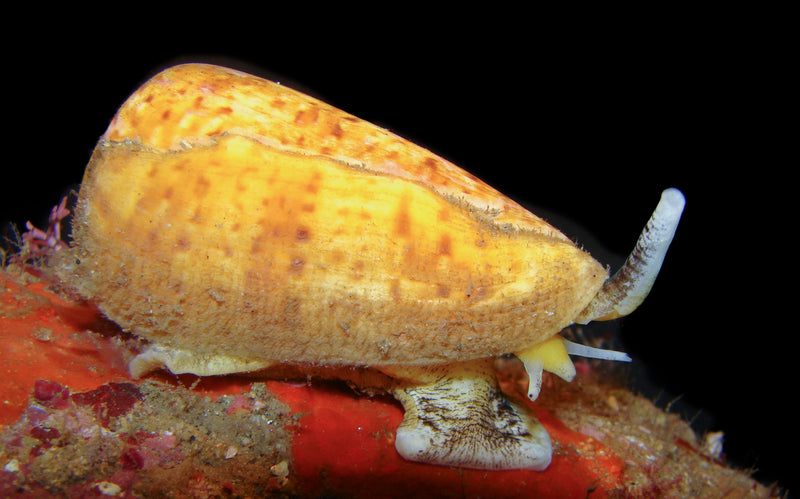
(222, 213)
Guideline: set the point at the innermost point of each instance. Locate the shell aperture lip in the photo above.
(182, 361)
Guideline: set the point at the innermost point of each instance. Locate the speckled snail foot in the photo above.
(237, 224)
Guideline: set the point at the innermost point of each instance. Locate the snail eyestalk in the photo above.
(623, 292)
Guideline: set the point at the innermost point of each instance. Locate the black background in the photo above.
(587, 121)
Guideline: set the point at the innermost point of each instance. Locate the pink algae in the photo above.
(109, 401)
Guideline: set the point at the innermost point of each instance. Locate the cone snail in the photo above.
(238, 225)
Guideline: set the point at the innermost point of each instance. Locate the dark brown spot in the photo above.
(302, 234)
(224, 110)
(134, 122)
(258, 243)
(216, 131)
(337, 130)
(198, 102)
(313, 186)
(306, 116)
(307, 207)
(202, 187)
(165, 114)
(169, 192)
(182, 244)
(445, 245)
(402, 221)
(277, 103)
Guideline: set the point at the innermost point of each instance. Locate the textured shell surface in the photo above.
(223, 213)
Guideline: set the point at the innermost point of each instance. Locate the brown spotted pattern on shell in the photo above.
(222, 213)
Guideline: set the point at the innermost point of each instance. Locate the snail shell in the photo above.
(225, 214)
